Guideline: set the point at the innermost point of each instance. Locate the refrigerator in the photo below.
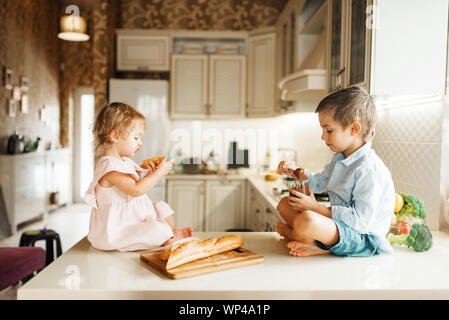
(150, 98)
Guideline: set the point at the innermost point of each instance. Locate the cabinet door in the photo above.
(336, 61)
(225, 205)
(30, 195)
(142, 53)
(189, 86)
(227, 86)
(186, 198)
(261, 75)
(359, 44)
(59, 175)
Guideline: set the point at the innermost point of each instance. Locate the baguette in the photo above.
(199, 249)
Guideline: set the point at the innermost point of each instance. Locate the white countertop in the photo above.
(86, 273)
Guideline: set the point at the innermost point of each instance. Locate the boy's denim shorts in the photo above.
(353, 243)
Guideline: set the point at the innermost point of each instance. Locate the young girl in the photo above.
(123, 216)
(359, 184)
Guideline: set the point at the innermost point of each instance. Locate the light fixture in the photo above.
(73, 28)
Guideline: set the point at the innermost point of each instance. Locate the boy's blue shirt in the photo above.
(361, 191)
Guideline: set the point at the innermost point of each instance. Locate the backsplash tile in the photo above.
(408, 139)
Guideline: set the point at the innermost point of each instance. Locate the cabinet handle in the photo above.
(341, 71)
(208, 107)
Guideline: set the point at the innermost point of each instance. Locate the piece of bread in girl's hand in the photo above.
(199, 249)
(156, 160)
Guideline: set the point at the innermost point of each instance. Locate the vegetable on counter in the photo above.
(399, 203)
(419, 238)
(413, 208)
(401, 227)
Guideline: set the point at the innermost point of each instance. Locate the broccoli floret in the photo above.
(420, 238)
(413, 207)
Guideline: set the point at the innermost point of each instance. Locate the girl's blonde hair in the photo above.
(349, 105)
(114, 116)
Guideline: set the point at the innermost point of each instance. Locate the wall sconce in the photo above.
(73, 28)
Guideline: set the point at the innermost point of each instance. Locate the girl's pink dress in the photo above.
(122, 222)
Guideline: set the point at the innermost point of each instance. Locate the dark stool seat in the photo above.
(30, 237)
(18, 264)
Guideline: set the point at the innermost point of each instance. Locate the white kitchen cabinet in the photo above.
(261, 75)
(227, 86)
(58, 172)
(28, 179)
(189, 84)
(186, 198)
(207, 204)
(262, 216)
(22, 178)
(225, 204)
(141, 50)
(208, 86)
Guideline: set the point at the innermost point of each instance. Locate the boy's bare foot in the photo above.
(178, 235)
(300, 249)
(283, 229)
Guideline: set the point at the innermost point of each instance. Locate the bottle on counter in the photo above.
(212, 162)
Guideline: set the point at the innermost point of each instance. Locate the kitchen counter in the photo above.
(86, 273)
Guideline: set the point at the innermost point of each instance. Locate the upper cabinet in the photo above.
(379, 45)
(304, 51)
(208, 86)
(141, 50)
(261, 74)
(349, 43)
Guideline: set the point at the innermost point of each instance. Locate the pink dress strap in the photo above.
(108, 164)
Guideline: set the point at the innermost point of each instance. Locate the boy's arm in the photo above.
(325, 211)
(318, 181)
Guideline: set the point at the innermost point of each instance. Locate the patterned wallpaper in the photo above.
(28, 47)
(200, 14)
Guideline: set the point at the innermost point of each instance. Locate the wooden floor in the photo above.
(72, 224)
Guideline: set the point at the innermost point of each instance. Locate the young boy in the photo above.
(359, 184)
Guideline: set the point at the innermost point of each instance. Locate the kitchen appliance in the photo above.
(237, 158)
(150, 98)
(16, 143)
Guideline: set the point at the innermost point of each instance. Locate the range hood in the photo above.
(306, 87)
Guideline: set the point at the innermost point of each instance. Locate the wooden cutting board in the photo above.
(223, 261)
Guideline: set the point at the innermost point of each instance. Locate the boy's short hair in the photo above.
(349, 105)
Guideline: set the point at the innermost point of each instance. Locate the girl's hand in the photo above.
(165, 166)
(302, 201)
(283, 168)
(151, 168)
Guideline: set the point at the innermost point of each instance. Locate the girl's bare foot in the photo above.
(300, 249)
(178, 235)
(284, 230)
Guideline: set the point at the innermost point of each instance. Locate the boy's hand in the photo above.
(302, 201)
(299, 174)
(283, 168)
